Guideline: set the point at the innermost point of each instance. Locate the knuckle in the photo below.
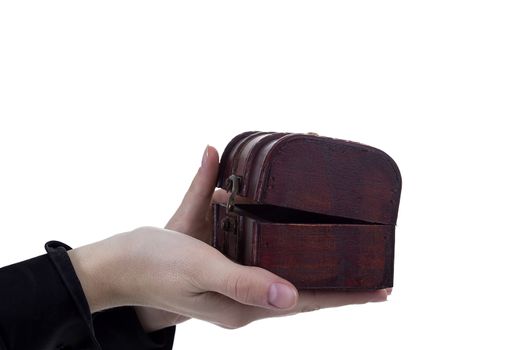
(237, 287)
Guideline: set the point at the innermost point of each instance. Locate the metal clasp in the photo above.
(233, 184)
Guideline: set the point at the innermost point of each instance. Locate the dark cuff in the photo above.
(120, 328)
(43, 306)
(38, 310)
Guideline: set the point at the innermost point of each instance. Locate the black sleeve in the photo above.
(42, 306)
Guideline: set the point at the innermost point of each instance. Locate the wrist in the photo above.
(94, 269)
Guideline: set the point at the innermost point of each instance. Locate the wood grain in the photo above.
(330, 208)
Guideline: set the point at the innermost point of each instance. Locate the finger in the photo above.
(228, 313)
(248, 285)
(196, 202)
(221, 196)
(219, 309)
(316, 300)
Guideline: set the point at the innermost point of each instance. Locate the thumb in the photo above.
(196, 202)
(249, 285)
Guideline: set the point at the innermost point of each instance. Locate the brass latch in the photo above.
(233, 184)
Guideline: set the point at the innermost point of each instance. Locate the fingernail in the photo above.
(204, 156)
(281, 296)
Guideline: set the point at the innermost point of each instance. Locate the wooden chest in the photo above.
(317, 211)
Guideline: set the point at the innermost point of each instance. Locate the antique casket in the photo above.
(317, 211)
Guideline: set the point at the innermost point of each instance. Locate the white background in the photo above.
(106, 108)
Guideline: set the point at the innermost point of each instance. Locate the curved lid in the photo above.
(314, 173)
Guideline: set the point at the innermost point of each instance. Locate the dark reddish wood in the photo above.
(356, 185)
(318, 174)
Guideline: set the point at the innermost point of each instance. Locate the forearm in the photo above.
(100, 268)
(94, 265)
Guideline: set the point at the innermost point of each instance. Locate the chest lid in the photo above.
(313, 174)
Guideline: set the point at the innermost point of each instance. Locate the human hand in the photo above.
(177, 276)
(194, 218)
